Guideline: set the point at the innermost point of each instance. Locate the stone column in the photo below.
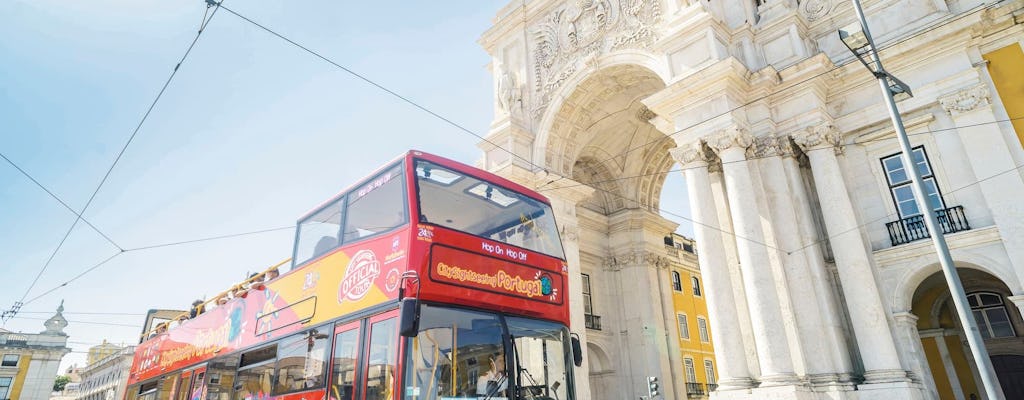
(564, 199)
(864, 303)
(818, 349)
(987, 151)
(812, 253)
(723, 316)
(765, 314)
(906, 332)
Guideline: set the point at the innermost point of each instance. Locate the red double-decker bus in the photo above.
(428, 280)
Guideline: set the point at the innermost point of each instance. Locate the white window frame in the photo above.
(695, 282)
(899, 182)
(17, 359)
(5, 387)
(684, 326)
(980, 312)
(677, 281)
(709, 372)
(691, 371)
(588, 299)
(702, 329)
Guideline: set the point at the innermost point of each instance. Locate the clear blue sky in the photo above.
(252, 133)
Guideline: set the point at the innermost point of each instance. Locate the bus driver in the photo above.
(494, 381)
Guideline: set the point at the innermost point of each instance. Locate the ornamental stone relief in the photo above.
(965, 99)
(577, 32)
(813, 10)
(767, 146)
(818, 137)
(728, 138)
(635, 258)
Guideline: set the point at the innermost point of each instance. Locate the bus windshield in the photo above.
(464, 203)
(460, 354)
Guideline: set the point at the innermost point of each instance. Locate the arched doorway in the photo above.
(952, 369)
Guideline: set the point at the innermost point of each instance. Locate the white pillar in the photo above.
(563, 201)
(988, 153)
(730, 354)
(765, 314)
(815, 259)
(864, 303)
(818, 349)
(906, 332)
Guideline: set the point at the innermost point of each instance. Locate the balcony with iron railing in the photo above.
(592, 321)
(913, 228)
(695, 390)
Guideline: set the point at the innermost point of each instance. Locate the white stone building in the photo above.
(106, 377)
(817, 283)
(30, 361)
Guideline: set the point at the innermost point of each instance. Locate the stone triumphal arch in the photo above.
(757, 105)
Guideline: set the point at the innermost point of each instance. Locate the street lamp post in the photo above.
(891, 86)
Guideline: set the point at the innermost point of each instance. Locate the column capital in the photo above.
(965, 99)
(818, 137)
(905, 318)
(692, 155)
(732, 137)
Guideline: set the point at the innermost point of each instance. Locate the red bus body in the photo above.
(361, 280)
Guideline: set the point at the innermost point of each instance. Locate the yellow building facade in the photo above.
(691, 312)
(29, 361)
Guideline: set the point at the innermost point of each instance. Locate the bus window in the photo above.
(464, 203)
(318, 233)
(221, 374)
(457, 354)
(541, 354)
(182, 393)
(346, 353)
(380, 371)
(301, 362)
(377, 206)
(168, 385)
(198, 391)
(147, 391)
(255, 374)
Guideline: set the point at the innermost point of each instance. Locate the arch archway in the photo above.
(944, 344)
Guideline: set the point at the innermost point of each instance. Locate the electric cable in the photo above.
(202, 28)
(59, 200)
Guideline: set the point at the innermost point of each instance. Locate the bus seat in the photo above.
(324, 245)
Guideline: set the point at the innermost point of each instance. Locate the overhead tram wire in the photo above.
(683, 169)
(202, 28)
(442, 118)
(150, 247)
(935, 25)
(59, 200)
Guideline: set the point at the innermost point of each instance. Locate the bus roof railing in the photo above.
(238, 290)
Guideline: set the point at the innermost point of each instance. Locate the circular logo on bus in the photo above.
(359, 276)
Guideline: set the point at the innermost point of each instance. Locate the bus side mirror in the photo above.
(409, 317)
(577, 351)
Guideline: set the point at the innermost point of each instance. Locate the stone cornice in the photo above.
(728, 76)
